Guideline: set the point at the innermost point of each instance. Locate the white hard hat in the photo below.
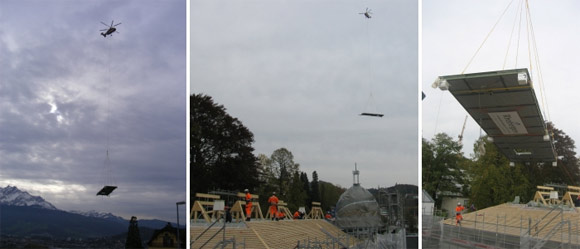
(246, 190)
(459, 204)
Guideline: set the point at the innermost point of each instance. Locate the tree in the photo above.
(493, 180)
(440, 161)
(306, 187)
(315, 191)
(329, 194)
(133, 236)
(567, 171)
(296, 196)
(221, 149)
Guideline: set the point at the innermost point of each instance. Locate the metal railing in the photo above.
(496, 232)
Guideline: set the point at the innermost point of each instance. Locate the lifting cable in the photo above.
(487, 36)
(538, 65)
(371, 100)
(107, 173)
(510, 42)
(533, 54)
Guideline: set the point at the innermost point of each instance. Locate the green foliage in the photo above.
(314, 188)
(278, 172)
(441, 159)
(221, 149)
(297, 197)
(329, 194)
(493, 180)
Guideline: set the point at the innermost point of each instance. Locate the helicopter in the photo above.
(367, 13)
(110, 30)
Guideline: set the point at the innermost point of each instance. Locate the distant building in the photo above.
(167, 238)
(428, 204)
(357, 208)
(399, 204)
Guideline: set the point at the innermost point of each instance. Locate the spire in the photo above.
(355, 173)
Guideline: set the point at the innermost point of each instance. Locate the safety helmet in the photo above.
(459, 204)
(246, 190)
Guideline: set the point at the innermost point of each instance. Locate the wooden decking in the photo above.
(268, 234)
(515, 219)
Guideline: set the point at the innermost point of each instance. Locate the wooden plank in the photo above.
(208, 196)
(205, 203)
(315, 203)
(243, 195)
(575, 188)
(545, 188)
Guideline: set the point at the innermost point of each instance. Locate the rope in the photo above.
(519, 33)
(509, 42)
(108, 179)
(487, 36)
(538, 65)
(437, 117)
(370, 74)
(528, 36)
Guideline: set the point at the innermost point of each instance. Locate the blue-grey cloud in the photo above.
(65, 90)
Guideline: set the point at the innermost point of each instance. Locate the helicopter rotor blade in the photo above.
(111, 24)
(103, 29)
(117, 24)
(105, 24)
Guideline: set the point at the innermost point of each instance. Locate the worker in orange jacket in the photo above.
(296, 215)
(248, 204)
(279, 215)
(273, 200)
(458, 216)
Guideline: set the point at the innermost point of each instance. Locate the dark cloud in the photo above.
(63, 88)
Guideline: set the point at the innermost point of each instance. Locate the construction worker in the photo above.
(273, 200)
(248, 204)
(328, 216)
(458, 216)
(296, 215)
(279, 215)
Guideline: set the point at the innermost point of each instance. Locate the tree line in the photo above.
(222, 157)
(487, 179)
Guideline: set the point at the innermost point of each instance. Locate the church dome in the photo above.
(357, 208)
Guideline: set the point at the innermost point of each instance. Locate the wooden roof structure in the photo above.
(270, 234)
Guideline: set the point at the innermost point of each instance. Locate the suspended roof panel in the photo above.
(106, 190)
(504, 104)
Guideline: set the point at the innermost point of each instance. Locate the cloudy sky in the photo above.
(298, 73)
(55, 70)
(454, 29)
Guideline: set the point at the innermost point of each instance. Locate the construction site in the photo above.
(545, 222)
(357, 223)
(516, 137)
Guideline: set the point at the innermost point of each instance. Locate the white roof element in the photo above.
(504, 104)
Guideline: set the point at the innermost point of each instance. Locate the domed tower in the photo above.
(357, 208)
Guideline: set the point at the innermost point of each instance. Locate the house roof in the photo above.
(427, 197)
(170, 229)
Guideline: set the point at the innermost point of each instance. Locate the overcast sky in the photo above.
(454, 29)
(299, 73)
(55, 69)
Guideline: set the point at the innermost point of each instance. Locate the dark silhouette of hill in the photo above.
(38, 221)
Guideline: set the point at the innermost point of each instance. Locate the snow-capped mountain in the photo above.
(13, 196)
(95, 214)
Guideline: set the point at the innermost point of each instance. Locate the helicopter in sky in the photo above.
(367, 13)
(110, 30)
